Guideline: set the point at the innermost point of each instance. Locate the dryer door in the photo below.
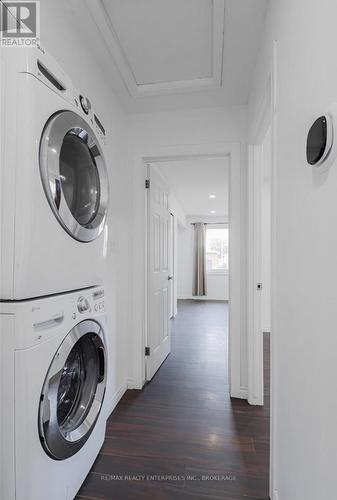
(73, 391)
(74, 176)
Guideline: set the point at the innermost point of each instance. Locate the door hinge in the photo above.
(147, 184)
(147, 351)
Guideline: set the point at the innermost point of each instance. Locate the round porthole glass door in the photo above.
(74, 176)
(73, 391)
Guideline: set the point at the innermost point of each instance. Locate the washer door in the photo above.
(74, 175)
(73, 391)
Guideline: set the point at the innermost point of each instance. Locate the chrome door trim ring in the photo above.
(60, 445)
(57, 127)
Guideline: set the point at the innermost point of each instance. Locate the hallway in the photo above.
(184, 427)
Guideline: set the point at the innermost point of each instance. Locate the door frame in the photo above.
(172, 265)
(237, 310)
(255, 179)
(266, 117)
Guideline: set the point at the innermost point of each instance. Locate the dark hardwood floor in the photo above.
(182, 437)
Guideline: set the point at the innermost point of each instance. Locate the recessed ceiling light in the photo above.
(212, 196)
(212, 211)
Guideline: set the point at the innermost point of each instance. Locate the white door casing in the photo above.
(255, 283)
(159, 247)
(255, 325)
(266, 231)
(259, 298)
(171, 268)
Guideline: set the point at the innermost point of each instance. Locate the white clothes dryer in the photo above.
(54, 391)
(53, 178)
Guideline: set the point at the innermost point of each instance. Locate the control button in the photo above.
(83, 305)
(85, 103)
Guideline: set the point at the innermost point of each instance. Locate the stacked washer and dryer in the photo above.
(54, 351)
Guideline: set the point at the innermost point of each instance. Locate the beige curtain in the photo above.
(199, 261)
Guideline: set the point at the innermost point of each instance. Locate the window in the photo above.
(217, 248)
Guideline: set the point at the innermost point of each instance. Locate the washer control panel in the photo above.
(83, 305)
(88, 303)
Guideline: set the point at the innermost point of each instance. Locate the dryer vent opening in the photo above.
(46, 73)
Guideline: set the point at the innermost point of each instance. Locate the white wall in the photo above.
(185, 128)
(68, 33)
(305, 275)
(217, 284)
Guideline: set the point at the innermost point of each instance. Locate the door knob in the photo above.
(170, 278)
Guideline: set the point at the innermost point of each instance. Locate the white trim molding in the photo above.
(266, 116)
(275, 495)
(254, 327)
(109, 35)
(131, 384)
(274, 258)
(242, 393)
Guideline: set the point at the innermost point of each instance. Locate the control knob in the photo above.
(83, 305)
(85, 104)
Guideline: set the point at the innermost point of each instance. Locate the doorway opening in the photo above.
(237, 336)
(188, 235)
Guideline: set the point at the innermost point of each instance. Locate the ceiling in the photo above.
(181, 53)
(153, 54)
(193, 181)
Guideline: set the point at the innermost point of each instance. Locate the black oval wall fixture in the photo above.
(321, 147)
(317, 141)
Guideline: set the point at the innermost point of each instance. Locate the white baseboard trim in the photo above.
(241, 393)
(255, 402)
(117, 397)
(203, 298)
(131, 384)
(275, 495)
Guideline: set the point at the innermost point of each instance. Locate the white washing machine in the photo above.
(54, 393)
(53, 178)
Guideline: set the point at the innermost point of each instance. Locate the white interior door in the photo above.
(159, 248)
